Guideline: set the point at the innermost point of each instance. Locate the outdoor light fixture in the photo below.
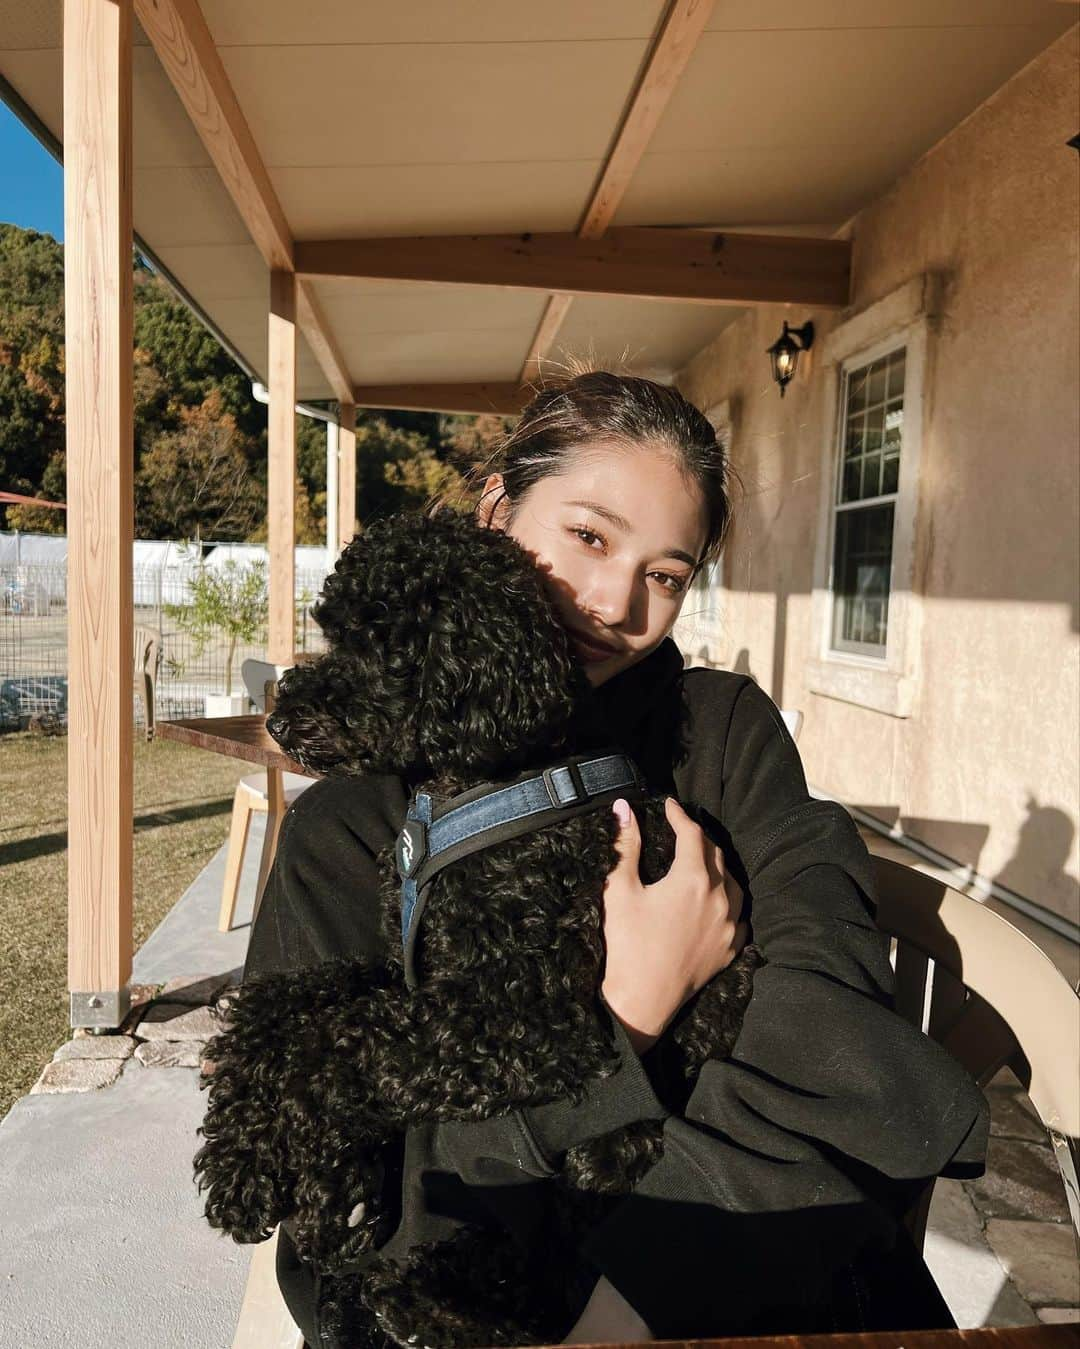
(784, 352)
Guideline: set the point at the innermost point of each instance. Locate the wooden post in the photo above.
(281, 469)
(98, 356)
(346, 474)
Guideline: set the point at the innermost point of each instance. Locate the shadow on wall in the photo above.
(1042, 849)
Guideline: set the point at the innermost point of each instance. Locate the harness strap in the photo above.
(436, 835)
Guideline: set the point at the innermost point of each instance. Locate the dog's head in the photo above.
(445, 657)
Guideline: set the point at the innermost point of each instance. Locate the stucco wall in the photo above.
(985, 767)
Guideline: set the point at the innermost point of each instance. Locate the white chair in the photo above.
(271, 793)
(975, 984)
(256, 674)
(793, 720)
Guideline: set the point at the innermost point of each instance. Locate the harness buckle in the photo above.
(572, 771)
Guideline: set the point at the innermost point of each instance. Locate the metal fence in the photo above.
(34, 635)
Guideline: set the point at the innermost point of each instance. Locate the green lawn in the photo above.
(183, 798)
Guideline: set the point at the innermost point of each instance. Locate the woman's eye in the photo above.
(675, 585)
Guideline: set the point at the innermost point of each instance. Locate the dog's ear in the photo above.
(445, 656)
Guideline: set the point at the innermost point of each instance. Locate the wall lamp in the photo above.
(784, 352)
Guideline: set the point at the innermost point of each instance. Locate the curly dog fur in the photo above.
(446, 665)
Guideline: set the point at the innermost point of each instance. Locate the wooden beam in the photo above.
(320, 339)
(179, 35)
(505, 399)
(281, 469)
(185, 47)
(676, 39)
(346, 474)
(677, 265)
(98, 380)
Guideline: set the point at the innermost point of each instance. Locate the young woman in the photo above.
(777, 1205)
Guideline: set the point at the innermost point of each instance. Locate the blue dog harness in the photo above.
(436, 835)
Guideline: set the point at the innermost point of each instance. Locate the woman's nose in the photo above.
(612, 602)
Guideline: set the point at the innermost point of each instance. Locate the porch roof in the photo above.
(379, 120)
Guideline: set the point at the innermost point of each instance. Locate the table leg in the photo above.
(275, 809)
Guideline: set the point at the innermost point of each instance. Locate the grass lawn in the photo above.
(183, 798)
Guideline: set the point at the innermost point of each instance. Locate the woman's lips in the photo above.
(587, 650)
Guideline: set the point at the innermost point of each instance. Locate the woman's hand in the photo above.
(665, 941)
(608, 1318)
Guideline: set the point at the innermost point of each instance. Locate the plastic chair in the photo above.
(985, 992)
(147, 653)
(255, 792)
(256, 674)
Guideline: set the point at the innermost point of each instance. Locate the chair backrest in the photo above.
(793, 720)
(147, 654)
(255, 675)
(984, 991)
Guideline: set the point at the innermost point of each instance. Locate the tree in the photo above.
(232, 602)
(195, 482)
(40, 519)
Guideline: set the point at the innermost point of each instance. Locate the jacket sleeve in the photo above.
(803, 1147)
(319, 900)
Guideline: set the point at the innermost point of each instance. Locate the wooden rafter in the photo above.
(320, 339)
(682, 26)
(185, 47)
(505, 399)
(687, 266)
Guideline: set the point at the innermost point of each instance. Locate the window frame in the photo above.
(886, 683)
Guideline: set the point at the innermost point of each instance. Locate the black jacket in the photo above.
(776, 1202)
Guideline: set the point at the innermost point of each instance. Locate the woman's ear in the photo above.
(493, 508)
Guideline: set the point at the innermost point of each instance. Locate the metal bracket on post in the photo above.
(100, 1011)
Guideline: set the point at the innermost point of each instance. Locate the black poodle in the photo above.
(447, 666)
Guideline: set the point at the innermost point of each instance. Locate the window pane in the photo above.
(856, 391)
(871, 484)
(890, 474)
(853, 440)
(876, 385)
(875, 428)
(896, 373)
(894, 424)
(852, 480)
(861, 565)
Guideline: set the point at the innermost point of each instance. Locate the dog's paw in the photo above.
(614, 1162)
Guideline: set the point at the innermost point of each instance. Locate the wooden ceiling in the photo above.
(465, 188)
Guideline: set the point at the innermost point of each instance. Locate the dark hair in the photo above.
(590, 405)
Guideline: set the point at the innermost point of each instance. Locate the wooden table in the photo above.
(244, 738)
(986, 1337)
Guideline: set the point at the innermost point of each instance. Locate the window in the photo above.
(869, 472)
(866, 611)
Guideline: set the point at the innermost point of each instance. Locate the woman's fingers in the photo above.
(627, 839)
(691, 845)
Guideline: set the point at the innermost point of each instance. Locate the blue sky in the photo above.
(31, 181)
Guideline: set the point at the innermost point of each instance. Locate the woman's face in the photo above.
(616, 538)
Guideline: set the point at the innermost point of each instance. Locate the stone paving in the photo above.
(167, 1026)
(1002, 1247)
